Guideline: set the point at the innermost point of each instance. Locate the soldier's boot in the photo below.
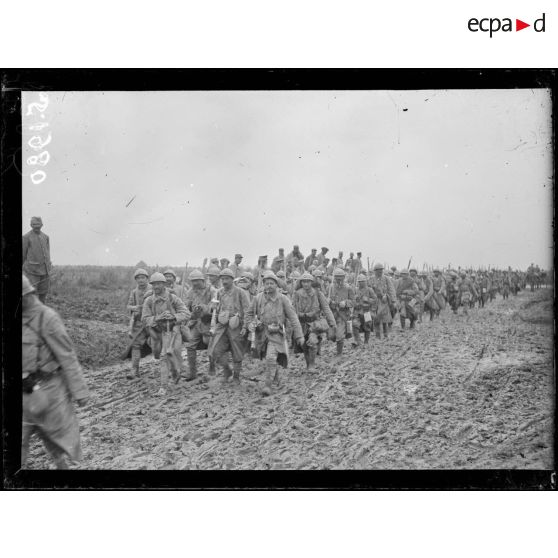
(164, 376)
(311, 362)
(237, 369)
(60, 462)
(339, 350)
(211, 366)
(192, 365)
(277, 376)
(356, 342)
(227, 372)
(402, 320)
(269, 370)
(134, 371)
(378, 330)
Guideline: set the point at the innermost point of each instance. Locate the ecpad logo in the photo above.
(493, 25)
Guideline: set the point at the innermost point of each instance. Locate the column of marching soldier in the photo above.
(294, 304)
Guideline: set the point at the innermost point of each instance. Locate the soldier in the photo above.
(349, 263)
(319, 283)
(229, 326)
(322, 256)
(452, 290)
(267, 316)
(385, 294)
(198, 304)
(213, 276)
(247, 283)
(484, 289)
(408, 293)
(278, 261)
(342, 303)
(224, 263)
(314, 315)
(36, 258)
(466, 292)
(437, 301)
(310, 260)
(506, 285)
(170, 277)
(51, 378)
(235, 267)
(295, 260)
(418, 279)
(332, 267)
(137, 331)
(365, 301)
(340, 260)
(162, 314)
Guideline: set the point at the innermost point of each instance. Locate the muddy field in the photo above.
(457, 393)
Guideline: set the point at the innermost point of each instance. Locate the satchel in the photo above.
(223, 317)
(319, 326)
(36, 402)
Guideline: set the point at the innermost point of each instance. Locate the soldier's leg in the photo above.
(367, 330)
(386, 329)
(178, 367)
(192, 364)
(156, 342)
(357, 342)
(164, 374)
(270, 366)
(310, 350)
(340, 331)
(237, 351)
(402, 321)
(220, 355)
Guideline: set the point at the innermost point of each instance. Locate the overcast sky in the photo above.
(461, 177)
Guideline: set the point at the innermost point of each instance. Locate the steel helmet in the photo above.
(26, 286)
(295, 274)
(338, 272)
(413, 269)
(213, 270)
(306, 277)
(247, 275)
(378, 266)
(404, 272)
(157, 277)
(140, 271)
(318, 273)
(281, 274)
(226, 273)
(195, 275)
(361, 278)
(169, 272)
(270, 275)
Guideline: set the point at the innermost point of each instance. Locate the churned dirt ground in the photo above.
(458, 393)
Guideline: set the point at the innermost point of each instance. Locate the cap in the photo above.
(325, 248)
(378, 266)
(26, 286)
(157, 277)
(140, 271)
(36, 220)
(237, 256)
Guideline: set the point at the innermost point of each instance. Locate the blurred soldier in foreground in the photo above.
(266, 318)
(198, 303)
(36, 258)
(163, 313)
(365, 301)
(51, 378)
(385, 293)
(227, 326)
(314, 316)
(138, 332)
(213, 276)
(341, 302)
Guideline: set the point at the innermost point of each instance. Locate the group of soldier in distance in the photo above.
(293, 305)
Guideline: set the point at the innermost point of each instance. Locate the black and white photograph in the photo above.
(287, 280)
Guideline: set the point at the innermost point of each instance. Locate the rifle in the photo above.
(131, 325)
(184, 280)
(285, 345)
(204, 264)
(368, 264)
(409, 264)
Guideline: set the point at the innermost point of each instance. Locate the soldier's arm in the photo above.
(181, 313)
(245, 306)
(147, 316)
(292, 317)
(56, 337)
(25, 242)
(131, 306)
(326, 310)
(251, 311)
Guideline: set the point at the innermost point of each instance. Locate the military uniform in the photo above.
(342, 303)
(315, 318)
(50, 364)
(36, 261)
(385, 293)
(365, 302)
(407, 293)
(229, 335)
(197, 333)
(466, 292)
(165, 331)
(267, 317)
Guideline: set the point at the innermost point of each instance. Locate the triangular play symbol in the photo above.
(519, 25)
